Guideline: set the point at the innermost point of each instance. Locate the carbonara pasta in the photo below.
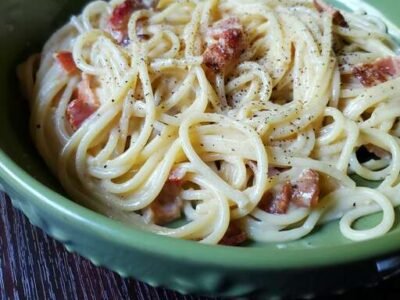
(221, 121)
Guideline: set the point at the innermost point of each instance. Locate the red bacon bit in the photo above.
(78, 111)
(140, 29)
(277, 202)
(234, 236)
(337, 16)
(66, 60)
(229, 36)
(377, 151)
(168, 205)
(304, 193)
(83, 106)
(306, 190)
(119, 19)
(120, 15)
(85, 92)
(380, 71)
(220, 28)
(118, 22)
(176, 176)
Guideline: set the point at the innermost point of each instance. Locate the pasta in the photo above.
(221, 121)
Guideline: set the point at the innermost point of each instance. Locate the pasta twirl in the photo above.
(221, 121)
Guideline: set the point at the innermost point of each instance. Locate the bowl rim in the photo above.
(234, 257)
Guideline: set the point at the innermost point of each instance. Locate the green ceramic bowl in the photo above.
(322, 262)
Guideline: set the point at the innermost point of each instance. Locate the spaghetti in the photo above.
(221, 121)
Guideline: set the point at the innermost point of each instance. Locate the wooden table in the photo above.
(34, 266)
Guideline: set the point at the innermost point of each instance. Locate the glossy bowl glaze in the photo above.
(322, 262)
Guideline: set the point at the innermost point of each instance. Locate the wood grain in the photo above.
(34, 266)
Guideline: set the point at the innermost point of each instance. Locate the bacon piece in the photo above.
(78, 111)
(83, 106)
(277, 201)
(176, 176)
(380, 71)
(306, 190)
(66, 60)
(118, 22)
(337, 16)
(221, 27)
(120, 15)
(377, 151)
(167, 207)
(229, 44)
(85, 92)
(233, 236)
(304, 193)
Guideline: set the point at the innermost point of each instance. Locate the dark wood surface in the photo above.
(34, 266)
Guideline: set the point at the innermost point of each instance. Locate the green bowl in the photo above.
(322, 262)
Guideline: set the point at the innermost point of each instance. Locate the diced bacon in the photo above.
(337, 16)
(228, 45)
(220, 28)
(78, 111)
(66, 60)
(377, 151)
(83, 106)
(234, 236)
(167, 207)
(85, 92)
(380, 71)
(120, 15)
(176, 176)
(303, 193)
(215, 57)
(277, 201)
(306, 190)
(118, 22)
